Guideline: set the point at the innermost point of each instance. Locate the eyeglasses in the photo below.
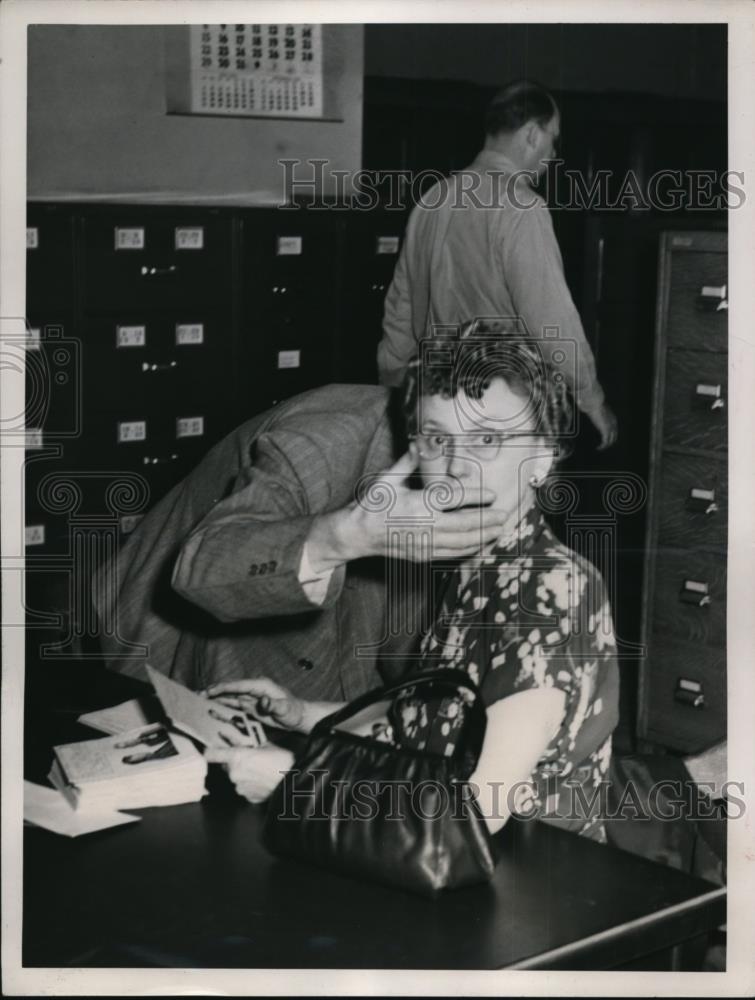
(485, 445)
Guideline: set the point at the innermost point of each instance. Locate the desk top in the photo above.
(192, 886)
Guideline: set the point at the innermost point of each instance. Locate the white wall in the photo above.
(97, 122)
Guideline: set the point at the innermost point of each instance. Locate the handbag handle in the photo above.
(430, 678)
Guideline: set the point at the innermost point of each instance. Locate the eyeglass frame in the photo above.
(486, 449)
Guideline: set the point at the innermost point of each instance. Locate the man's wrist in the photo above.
(591, 401)
(331, 541)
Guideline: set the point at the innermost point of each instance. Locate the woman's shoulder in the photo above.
(562, 576)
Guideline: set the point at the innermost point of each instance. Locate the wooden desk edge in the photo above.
(548, 958)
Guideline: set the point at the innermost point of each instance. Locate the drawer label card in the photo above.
(189, 333)
(32, 238)
(34, 534)
(714, 291)
(131, 238)
(189, 427)
(387, 244)
(189, 238)
(128, 522)
(289, 246)
(686, 685)
(698, 494)
(33, 338)
(130, 336)
(33, 437)
(289, 359)
(703, 389)
(132, 430)
(696, 586)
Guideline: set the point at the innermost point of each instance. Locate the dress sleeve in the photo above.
(570, 646)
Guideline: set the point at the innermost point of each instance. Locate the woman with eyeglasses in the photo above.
(527, 618)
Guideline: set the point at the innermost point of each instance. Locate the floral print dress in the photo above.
(530, 613)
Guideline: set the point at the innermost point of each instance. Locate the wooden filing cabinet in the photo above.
(682, 692)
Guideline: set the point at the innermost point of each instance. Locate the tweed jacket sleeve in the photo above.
(242, 561)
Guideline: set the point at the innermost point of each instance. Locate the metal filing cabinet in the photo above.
(290, 314)
(53, 360)
(683, 679)
(156, 325)
(160, 328)
(374, 241)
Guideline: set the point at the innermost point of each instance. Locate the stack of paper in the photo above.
(147, 766)
(47, 808)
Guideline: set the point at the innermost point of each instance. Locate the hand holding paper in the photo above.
(210, 722)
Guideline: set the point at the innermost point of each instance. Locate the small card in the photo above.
(203, 718)
(118, 719)
(47, 808)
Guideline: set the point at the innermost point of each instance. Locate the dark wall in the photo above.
(675, 60)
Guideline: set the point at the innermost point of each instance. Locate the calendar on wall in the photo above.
(266, 70)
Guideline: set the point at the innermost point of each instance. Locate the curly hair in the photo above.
(447, 366)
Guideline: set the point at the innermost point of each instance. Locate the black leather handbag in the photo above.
(388, 813)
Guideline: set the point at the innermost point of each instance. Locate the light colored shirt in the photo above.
(315, 585)
(481, 244)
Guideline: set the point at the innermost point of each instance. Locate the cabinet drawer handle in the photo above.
(695, 592)
(709, 396)
(148, 271)
(713, 297)
(160, 459)
(701, 501)
(689, 693)
(166, 366)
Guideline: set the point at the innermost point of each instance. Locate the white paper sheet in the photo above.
(47, 808)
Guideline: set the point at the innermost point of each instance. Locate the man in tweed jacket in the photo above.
(261, 563)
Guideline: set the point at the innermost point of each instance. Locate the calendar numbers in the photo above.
(257, 69)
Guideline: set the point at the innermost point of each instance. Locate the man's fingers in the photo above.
(451, 494)
(403, 468)
(221, 755)
(256, 687)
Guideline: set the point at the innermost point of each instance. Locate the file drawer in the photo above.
(695, 409)
(692, 502)
(49, 262)
(373, 242)
(690, 596)
(698, 299)
(137, 258)
(155, 357)
(684, 699)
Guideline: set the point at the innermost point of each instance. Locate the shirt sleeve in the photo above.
(533, 271)
(398, 344)
(315, 585)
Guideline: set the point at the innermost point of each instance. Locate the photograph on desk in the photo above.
(375, 498)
